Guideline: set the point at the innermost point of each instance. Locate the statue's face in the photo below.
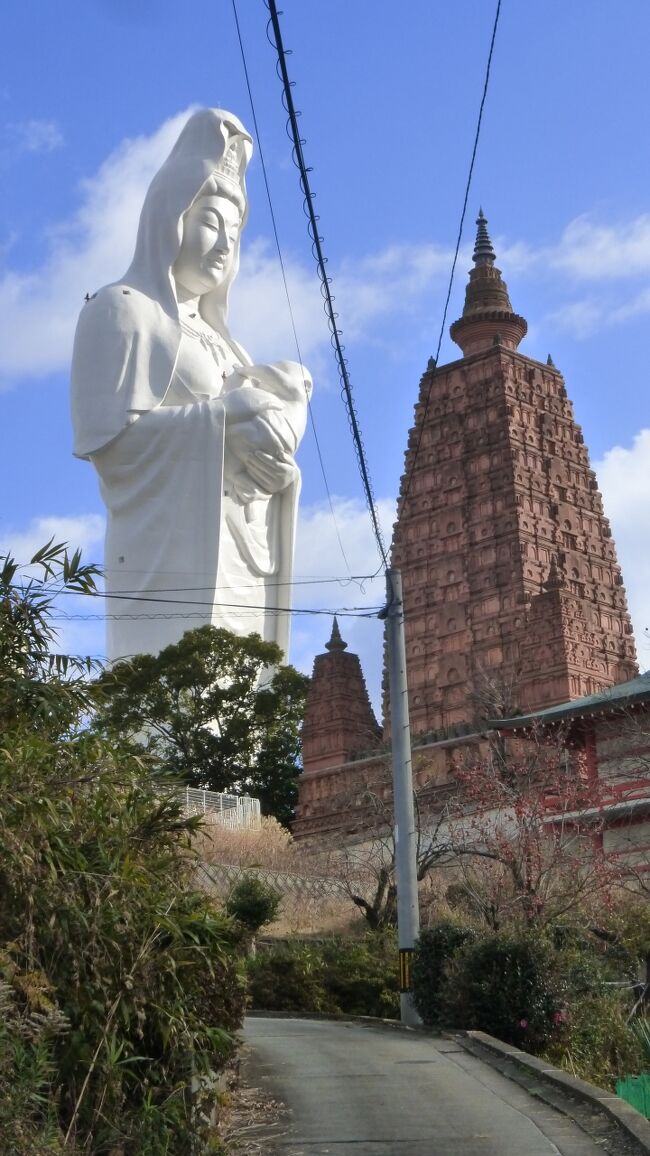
(210, 231)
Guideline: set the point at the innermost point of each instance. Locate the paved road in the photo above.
(357, 1090)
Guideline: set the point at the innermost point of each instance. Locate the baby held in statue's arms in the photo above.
(276, 431)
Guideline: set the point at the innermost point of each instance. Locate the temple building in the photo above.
(340, 719)
(512, 592)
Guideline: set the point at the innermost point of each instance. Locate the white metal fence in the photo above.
(229, 810)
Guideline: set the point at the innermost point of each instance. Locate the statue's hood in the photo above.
(193, 159)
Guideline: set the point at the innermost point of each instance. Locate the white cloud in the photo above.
(259, 315)
(605, 256)
(579, 318)
(84, 531)
(318, 551)
(36, 136)
(386, 283)
(380, 284)
(624, 477)
(516, 256)
(92, 248)
(636, 307)
(590, 251)
(587, 250)
(95, 246)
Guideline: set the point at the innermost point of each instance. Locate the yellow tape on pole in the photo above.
(405, 964)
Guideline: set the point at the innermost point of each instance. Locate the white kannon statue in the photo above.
(194, 445)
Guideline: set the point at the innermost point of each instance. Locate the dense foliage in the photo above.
(218, 711)
(507, 985)
(287, 978)
(117, 982)
(361, 976)
(435, 947)
(29, 1120)
(337, 976)
(599, 1042)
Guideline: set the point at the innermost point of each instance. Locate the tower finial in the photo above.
(483, 250)
(336, 643)
(488, 320)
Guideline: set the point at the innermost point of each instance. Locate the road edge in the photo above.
(636, 1127)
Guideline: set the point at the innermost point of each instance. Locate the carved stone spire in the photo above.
(339, 719)
(483, 252)
(336, 642)
(487, 314)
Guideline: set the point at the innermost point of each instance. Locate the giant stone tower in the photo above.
(513, 594)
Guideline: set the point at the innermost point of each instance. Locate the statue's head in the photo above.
(193, 215)
(210, 240)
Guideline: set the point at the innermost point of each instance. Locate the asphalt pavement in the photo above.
(367, 1090)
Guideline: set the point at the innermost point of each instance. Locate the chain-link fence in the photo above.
(220, 878)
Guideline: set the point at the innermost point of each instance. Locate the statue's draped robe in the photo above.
(186, 544)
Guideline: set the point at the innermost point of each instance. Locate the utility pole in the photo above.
(408, 914)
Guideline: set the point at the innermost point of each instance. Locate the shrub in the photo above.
(96, 898)
(361, 976)
(434, 949)
(287, 978)
(337, 977)
(506, 985)
(253, 903)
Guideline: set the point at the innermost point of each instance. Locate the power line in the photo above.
(122, 596)
(135, 593)
(411, 471)
(321, 261)
(345, 612)
(285, 283)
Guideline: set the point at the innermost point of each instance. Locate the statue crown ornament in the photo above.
(230, 166)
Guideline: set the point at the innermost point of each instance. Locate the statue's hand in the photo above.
(269, 473)
(247, 402)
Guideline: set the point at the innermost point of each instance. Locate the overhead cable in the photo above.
(422, 419)
(127, 592)
(345, 612)
(321, 261)
(286, 287)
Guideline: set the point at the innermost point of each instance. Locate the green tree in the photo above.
(218, 710)
(253, 903)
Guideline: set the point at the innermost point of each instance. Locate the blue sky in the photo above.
(91, 97)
